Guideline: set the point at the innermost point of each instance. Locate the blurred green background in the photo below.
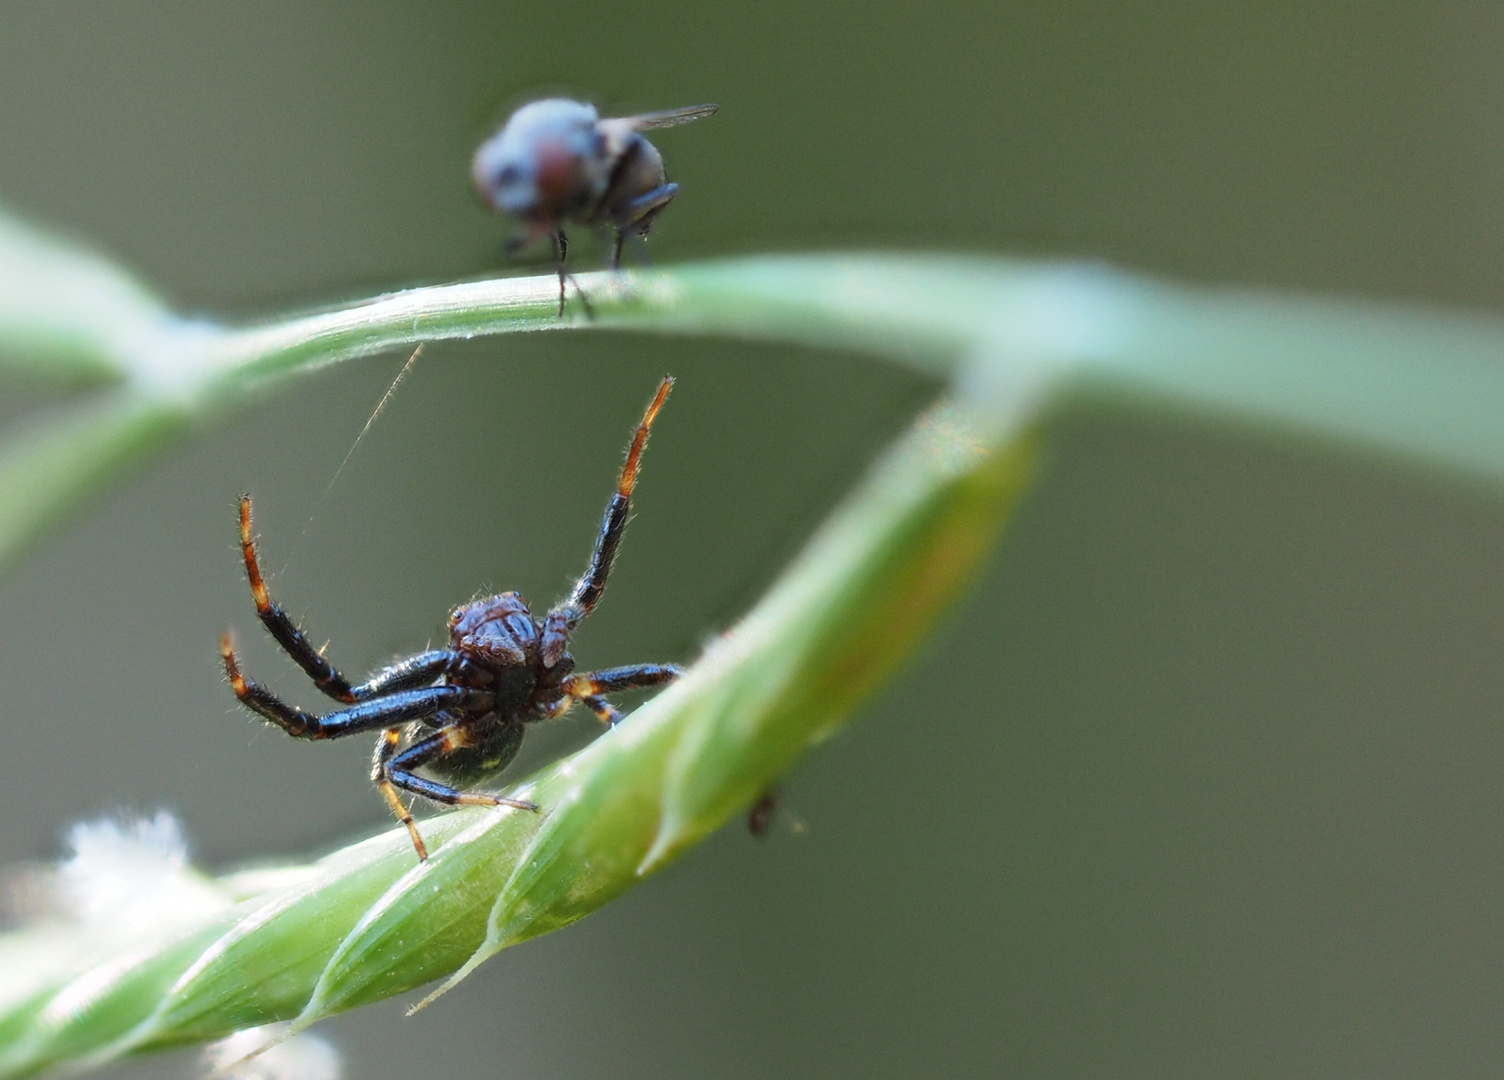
(1207, 778)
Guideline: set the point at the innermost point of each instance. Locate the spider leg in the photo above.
(397, 770)
(565, 617)
(386, 749)
(588, 686)
(631, 677)
(293, 641)
(608, 713)
(387, 711)
(406, 674)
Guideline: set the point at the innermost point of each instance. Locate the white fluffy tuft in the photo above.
(133, 877)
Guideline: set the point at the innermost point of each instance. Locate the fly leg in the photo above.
(561, 251)
(639, 214)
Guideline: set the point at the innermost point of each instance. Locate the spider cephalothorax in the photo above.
(458, 712)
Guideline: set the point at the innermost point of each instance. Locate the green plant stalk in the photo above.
(1423, 384)
(370, 922)
(1415, 384)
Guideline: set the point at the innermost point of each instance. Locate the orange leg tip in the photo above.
(253, 566)
(640, 440)
(658, 399)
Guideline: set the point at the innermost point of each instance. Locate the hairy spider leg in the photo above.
(292, 639)
(588, 687)
(408, 674)
(444, 741)
(630, 677)
(396, 769)
(412, 672)
(390, 710)
(386, 749)
(565, 617)
(605, 712)
(561, 251)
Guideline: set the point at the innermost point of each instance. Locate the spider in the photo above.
(459, 712)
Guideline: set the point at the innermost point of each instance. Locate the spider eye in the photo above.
(509, 174)
(456, 615)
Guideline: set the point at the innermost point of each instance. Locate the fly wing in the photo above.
(670, 117)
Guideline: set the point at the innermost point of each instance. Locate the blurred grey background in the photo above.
(1206, 779)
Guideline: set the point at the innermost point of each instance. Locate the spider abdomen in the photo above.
(497, 740)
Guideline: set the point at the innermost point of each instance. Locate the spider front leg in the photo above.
(561, 622)
(385, 711)
(293, 641)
